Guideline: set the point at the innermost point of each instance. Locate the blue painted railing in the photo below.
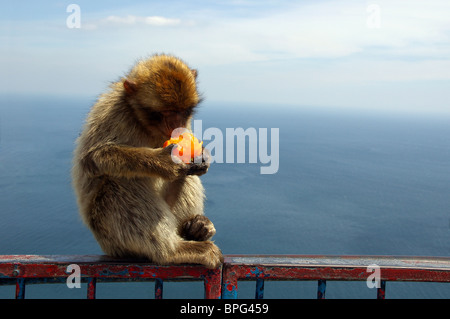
(23, 270)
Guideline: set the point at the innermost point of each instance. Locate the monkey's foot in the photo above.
(198, 228)
(197, 252)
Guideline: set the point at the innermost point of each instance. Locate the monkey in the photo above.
(135, 199)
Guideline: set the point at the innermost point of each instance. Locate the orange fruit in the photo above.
(189, 146)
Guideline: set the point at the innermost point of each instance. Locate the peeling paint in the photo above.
(21, 270)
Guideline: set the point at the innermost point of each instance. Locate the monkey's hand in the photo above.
(178, 168)
(201, 164)
(198, 228)
(175, 166)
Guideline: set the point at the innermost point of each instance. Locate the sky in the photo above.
(390, 55)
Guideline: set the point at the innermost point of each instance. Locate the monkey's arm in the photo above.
(127, 161)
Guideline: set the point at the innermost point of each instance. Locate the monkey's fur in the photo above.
(135, 199)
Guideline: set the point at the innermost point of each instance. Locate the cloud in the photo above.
(310, 30)
(133, 20)
(314, 52)
(340, 29)
(161, 21)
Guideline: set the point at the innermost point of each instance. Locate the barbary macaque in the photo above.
(133, 196)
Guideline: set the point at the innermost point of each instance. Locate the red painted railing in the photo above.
(22, 270)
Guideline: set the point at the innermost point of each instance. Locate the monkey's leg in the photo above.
(197, 252)
(185, 198)
(131, 220)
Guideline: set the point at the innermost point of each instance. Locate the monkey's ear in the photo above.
(194, 72)
(130, 87)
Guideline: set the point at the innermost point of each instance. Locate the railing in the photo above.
(22, 270)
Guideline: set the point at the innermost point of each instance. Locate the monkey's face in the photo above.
(163, 122)
(167, 121)
(163, 92)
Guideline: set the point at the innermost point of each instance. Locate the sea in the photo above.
(345, 182)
